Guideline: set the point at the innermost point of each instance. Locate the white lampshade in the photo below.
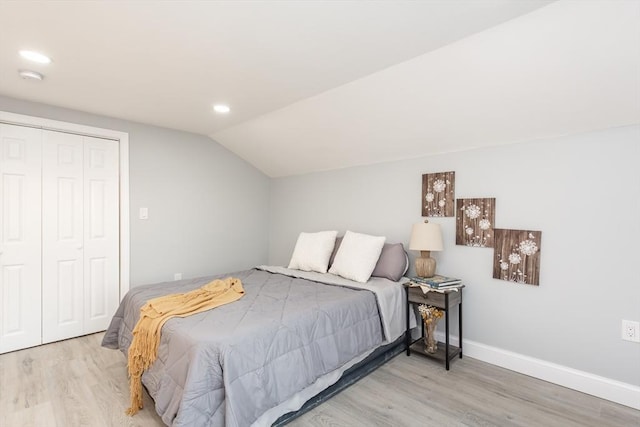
(426, 236)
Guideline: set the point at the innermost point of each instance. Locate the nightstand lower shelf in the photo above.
(418, 347)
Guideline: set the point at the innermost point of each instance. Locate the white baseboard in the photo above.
(605, 388)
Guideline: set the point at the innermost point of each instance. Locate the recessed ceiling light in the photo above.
(30, 75)
(35, 56)
(220, 108)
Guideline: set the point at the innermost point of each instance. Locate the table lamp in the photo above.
(426, 237)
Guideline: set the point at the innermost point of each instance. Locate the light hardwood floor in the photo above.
(78, 383)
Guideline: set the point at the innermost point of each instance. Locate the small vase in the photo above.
(430, 341)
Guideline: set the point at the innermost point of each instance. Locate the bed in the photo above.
(258, 360)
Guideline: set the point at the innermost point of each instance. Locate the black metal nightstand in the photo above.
(444, 300)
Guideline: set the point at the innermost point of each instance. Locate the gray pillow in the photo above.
(393, 262)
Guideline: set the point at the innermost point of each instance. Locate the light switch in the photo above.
(144, 213)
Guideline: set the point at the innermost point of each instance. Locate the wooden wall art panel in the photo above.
(517, 256)
(438, 194)
(475, 219)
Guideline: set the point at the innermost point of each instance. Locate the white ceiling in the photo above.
(317, 85)
(167, 63)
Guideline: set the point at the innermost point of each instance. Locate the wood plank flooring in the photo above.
(77, 383)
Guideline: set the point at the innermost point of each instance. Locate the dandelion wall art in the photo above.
(438, 194)
(474, 222)
(517, 256)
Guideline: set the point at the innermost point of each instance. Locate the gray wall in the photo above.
(208, 209)
(581, 191)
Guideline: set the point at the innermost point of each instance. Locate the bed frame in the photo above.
(360, 370)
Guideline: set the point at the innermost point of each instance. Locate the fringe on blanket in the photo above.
(154, 314)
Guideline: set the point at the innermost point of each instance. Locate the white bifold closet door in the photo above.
(80, 234)
(20, 239)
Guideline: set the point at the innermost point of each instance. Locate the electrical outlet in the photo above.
(631, 330)
(177, 276)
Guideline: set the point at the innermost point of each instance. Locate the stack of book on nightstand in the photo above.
(437, 282)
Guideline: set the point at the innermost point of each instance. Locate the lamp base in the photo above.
(425, 265)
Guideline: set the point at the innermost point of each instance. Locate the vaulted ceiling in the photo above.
(316, 85)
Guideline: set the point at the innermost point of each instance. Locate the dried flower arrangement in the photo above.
(430, 316)
(430, 313)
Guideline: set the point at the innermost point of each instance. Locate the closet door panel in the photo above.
(62, 236)
(101, 233)
(20, 237)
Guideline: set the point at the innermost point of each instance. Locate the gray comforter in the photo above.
(227, 366)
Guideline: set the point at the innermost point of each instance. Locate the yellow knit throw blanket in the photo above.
(153, 315)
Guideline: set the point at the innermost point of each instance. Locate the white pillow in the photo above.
(357, 256)
(313, 250)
